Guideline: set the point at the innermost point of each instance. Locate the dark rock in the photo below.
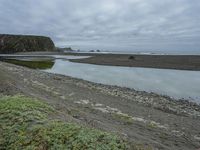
(131, 57)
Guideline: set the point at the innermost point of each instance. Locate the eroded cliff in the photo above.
(25, 43)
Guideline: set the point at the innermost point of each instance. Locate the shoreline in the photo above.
(141, 117)
(124, 90)
(178, 62)
(49, 55)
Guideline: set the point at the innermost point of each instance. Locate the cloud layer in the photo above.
(138, 25)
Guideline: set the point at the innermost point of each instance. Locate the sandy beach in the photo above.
(181, 62)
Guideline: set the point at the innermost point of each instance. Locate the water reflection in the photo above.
(36, 64)
(174, 83)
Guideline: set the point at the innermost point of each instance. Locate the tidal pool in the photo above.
(174, 83)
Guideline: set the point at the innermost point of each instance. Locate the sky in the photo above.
(115, 25)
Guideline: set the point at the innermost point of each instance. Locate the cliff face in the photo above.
(24, 43)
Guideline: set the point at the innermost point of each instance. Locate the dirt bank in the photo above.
(146, 119)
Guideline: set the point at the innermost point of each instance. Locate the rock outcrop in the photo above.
(24, 43)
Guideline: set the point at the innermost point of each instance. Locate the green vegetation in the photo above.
(25, 43)
(25, 124)
(151, 125)
(124, 118)
(32, 64)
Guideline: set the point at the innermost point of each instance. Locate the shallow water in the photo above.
(34, 64)
(175, 83)
(37, 62)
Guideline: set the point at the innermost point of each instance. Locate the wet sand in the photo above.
(181, 62)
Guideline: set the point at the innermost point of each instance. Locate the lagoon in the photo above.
(179, 84)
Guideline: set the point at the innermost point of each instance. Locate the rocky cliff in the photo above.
(24, 43)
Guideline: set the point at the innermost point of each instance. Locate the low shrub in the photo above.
(24, 124)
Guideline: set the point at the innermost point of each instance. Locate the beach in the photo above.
(146, 119)
(181, 62)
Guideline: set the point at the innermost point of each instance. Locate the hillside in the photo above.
(25, 43)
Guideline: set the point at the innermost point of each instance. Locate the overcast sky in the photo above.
(126, 25)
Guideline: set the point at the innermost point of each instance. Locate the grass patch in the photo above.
(46, 64)
(151, 125)
(124, 118)
(24, 124)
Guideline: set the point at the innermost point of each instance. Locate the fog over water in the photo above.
(175, 83)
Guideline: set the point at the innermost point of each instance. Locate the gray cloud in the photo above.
(170, 25)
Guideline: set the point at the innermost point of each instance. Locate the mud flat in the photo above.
(146, 120)
(183, 62)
